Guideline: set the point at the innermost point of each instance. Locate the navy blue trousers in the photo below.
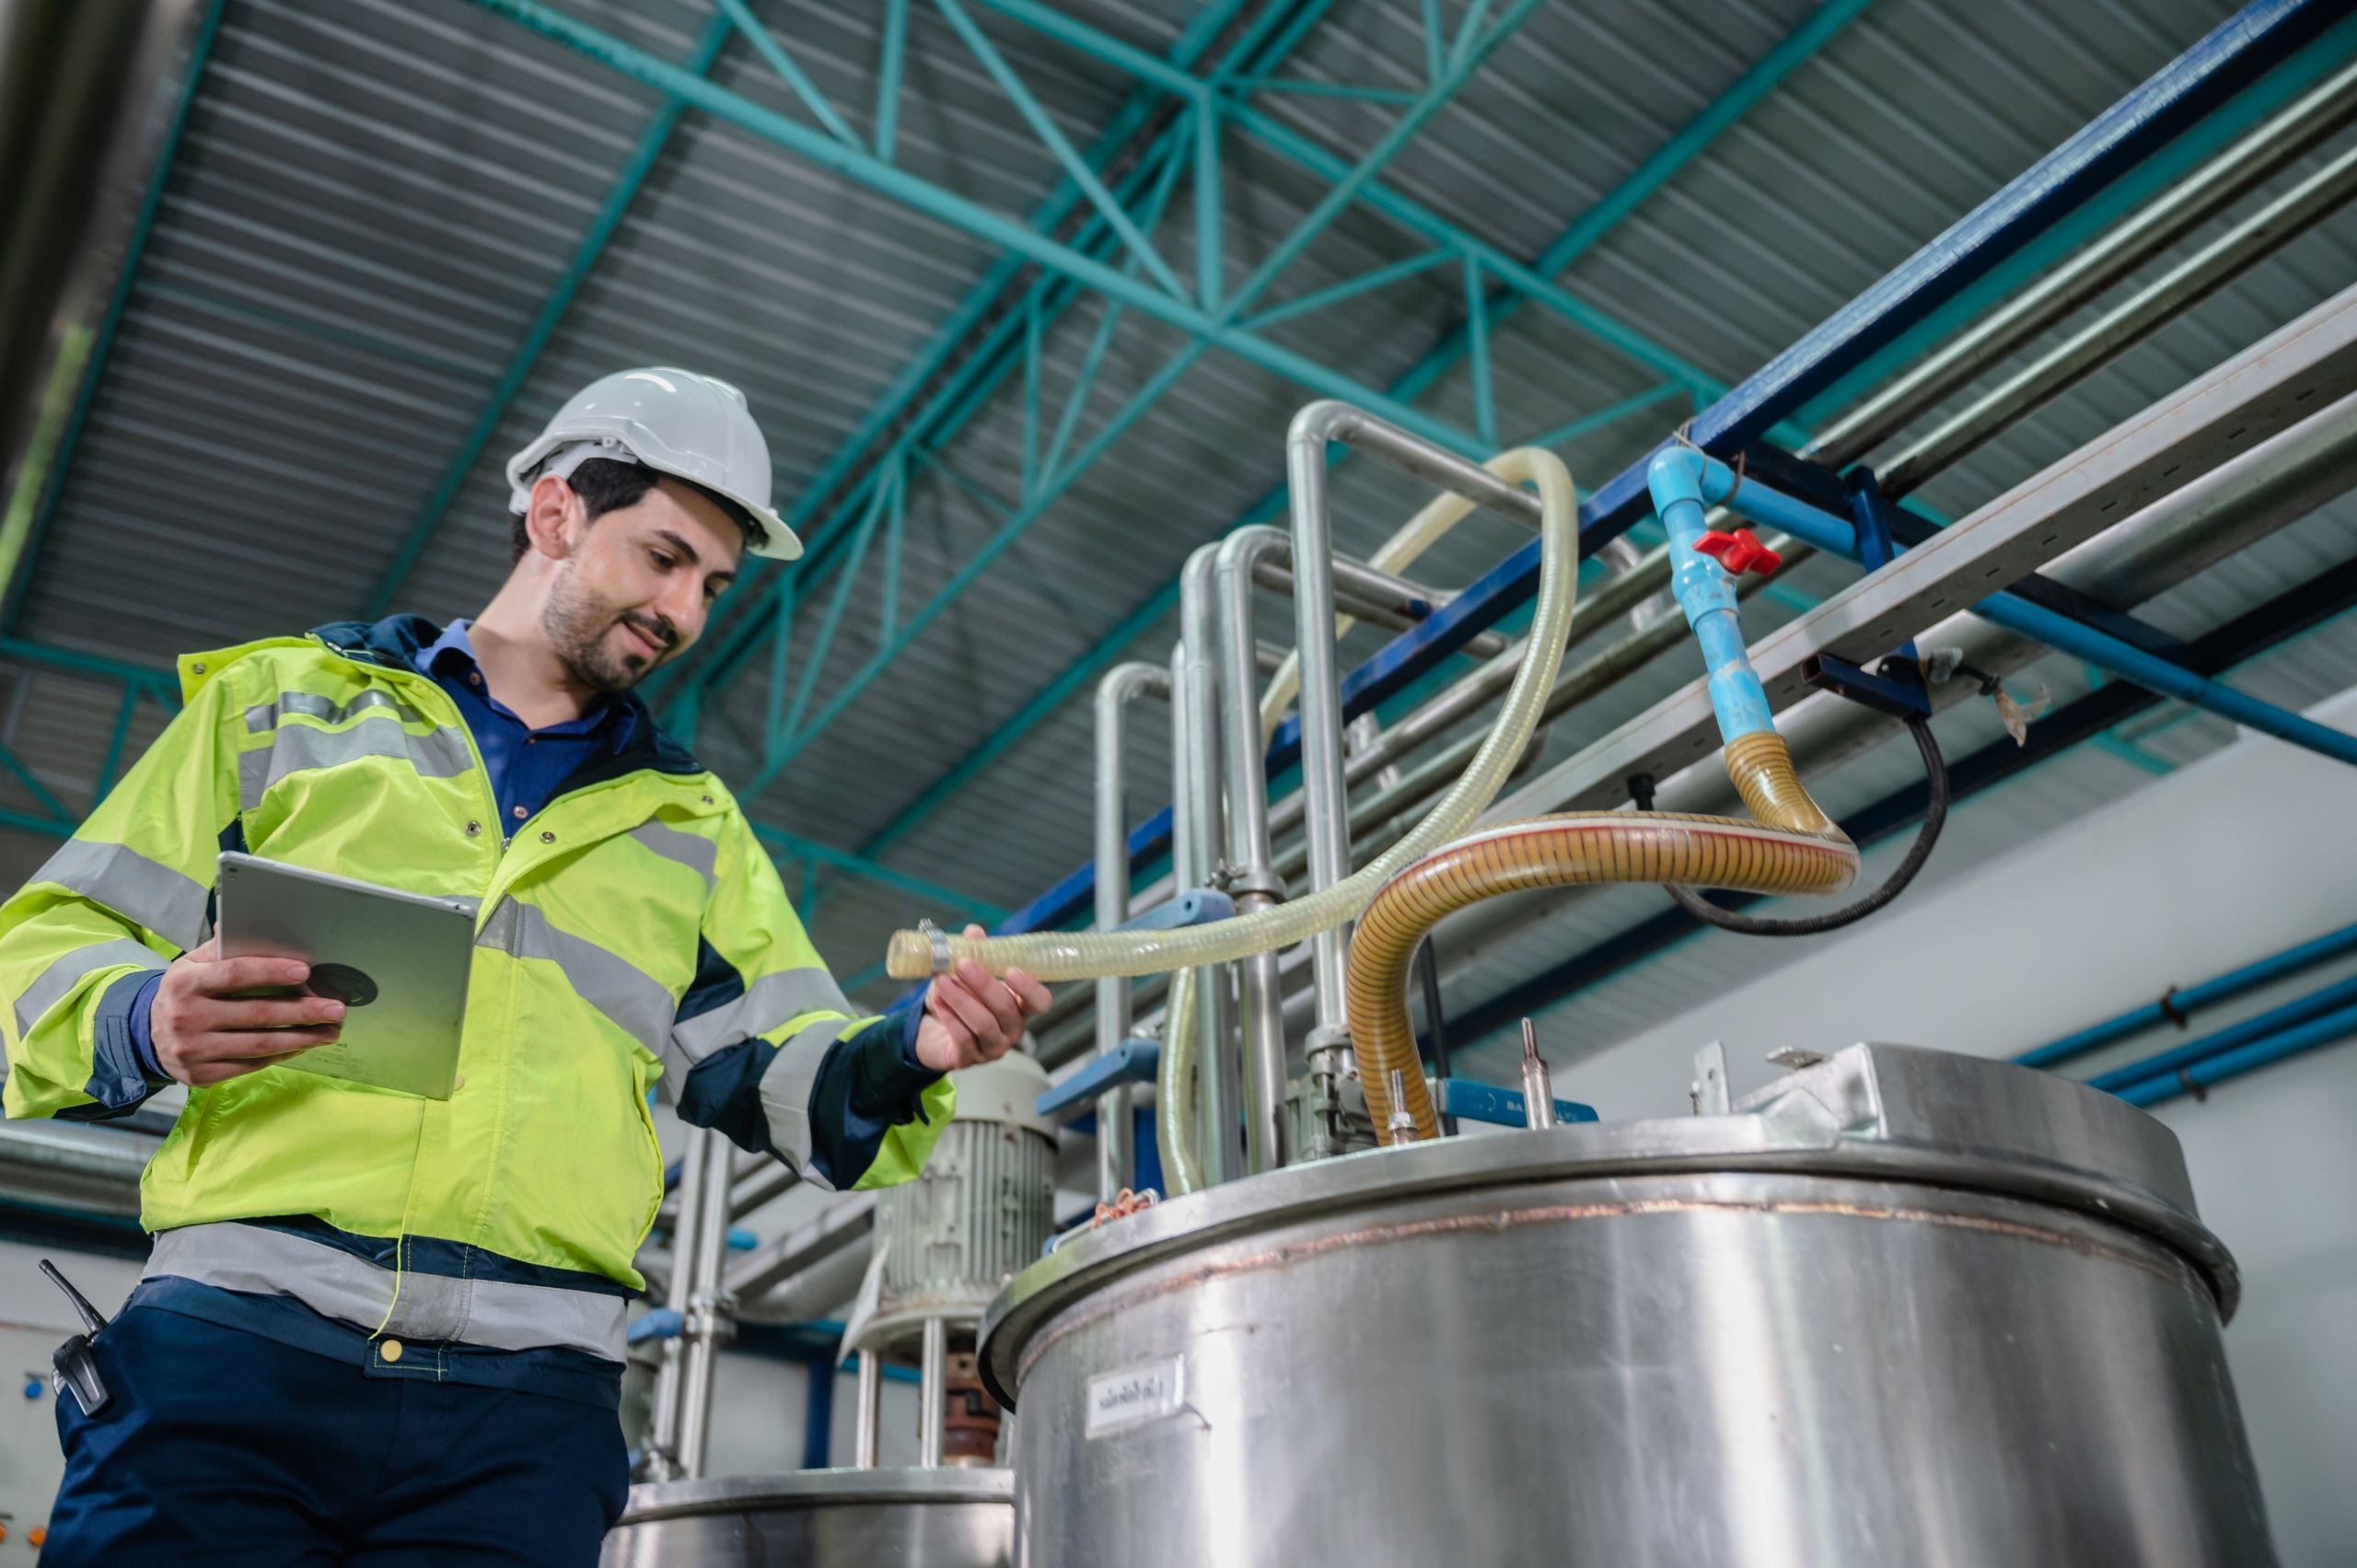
(223, 1446)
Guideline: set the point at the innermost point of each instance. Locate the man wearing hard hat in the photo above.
(384, 1329)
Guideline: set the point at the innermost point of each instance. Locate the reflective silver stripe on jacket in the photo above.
(696, 853)
(636, 1001)
(295, 748)
(786, 1093)
(310, 705)
(65, 973)
(167, 902)
(773, 1000)
(330, 1280)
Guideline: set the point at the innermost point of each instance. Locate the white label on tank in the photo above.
(1135, 1395)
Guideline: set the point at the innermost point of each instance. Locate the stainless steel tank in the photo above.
(1902, 1307)
(945, 1518)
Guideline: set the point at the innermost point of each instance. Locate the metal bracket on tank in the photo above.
(1709, 1090)
(1821, 1099)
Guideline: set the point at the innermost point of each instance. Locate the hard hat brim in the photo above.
(772, 540)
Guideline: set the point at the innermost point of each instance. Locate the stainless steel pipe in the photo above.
(933, 1389)
(2254, 238)
(663, 1430)
(1266, 1134)
(1379, 598)
(2176, 212)
(868, 1418)
(1120, 685)
(1324, 799)
(1199, 819)
(708, 1320)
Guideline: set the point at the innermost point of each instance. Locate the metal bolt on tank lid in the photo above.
(1538, 1088)
(1402, 1125)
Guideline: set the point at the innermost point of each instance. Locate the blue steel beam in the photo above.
(899, 399)
(1358, 181)
(1040, 491)
(944, 412)
(779, 61)
(960, 211)
(2196, 147)
(2232, 56)
(1472, 51)
(28, 518)
(779, 753)
(859, 865)
(977, 43)
(527, 357)
(1761, 78)
(887, 76)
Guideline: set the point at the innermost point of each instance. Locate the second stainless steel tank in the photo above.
(1902, 1307)
(945, 1518)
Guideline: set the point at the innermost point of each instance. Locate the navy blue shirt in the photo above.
(526, 766)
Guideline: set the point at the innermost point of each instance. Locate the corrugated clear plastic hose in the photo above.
(1174, 1089)
(1087, 955)
(1791, 847)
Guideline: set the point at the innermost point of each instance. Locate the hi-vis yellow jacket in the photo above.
(632, 926)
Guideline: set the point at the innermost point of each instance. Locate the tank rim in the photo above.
(1758, 1139)
(653, 1502)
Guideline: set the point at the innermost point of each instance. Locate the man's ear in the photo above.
(554, 517)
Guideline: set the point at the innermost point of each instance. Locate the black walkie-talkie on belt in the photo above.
(78, 1368)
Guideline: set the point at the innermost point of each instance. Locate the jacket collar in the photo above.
(395, 641)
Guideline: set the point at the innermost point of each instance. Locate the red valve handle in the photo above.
(1739, 552)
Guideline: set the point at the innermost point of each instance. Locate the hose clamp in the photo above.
(940, 940)
(1334, 1044)
(1245, 881)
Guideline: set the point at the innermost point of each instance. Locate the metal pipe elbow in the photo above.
(1327, 419)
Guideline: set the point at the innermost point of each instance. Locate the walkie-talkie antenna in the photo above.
(92, 1319)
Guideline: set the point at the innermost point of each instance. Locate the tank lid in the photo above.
(817, 1489)
(1878, 1112)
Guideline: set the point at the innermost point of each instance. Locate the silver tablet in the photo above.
(397, 960)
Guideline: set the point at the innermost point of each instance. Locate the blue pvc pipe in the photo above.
(2326, 1030)
(2064, 634)
(1706, 592)
(2155, 674)
(2225, 987)
(1772, 508)
(663, 1323)
(2274, 1021)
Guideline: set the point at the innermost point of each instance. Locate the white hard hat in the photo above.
(675, 421)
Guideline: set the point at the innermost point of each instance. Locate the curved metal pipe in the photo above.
(1267, 1136)
(1120, 686)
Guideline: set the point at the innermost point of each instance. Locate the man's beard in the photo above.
(577, 627)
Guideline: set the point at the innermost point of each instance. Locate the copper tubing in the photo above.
(1793, 848)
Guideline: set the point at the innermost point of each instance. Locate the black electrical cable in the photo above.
(1935, 815)
(1435, 1024)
